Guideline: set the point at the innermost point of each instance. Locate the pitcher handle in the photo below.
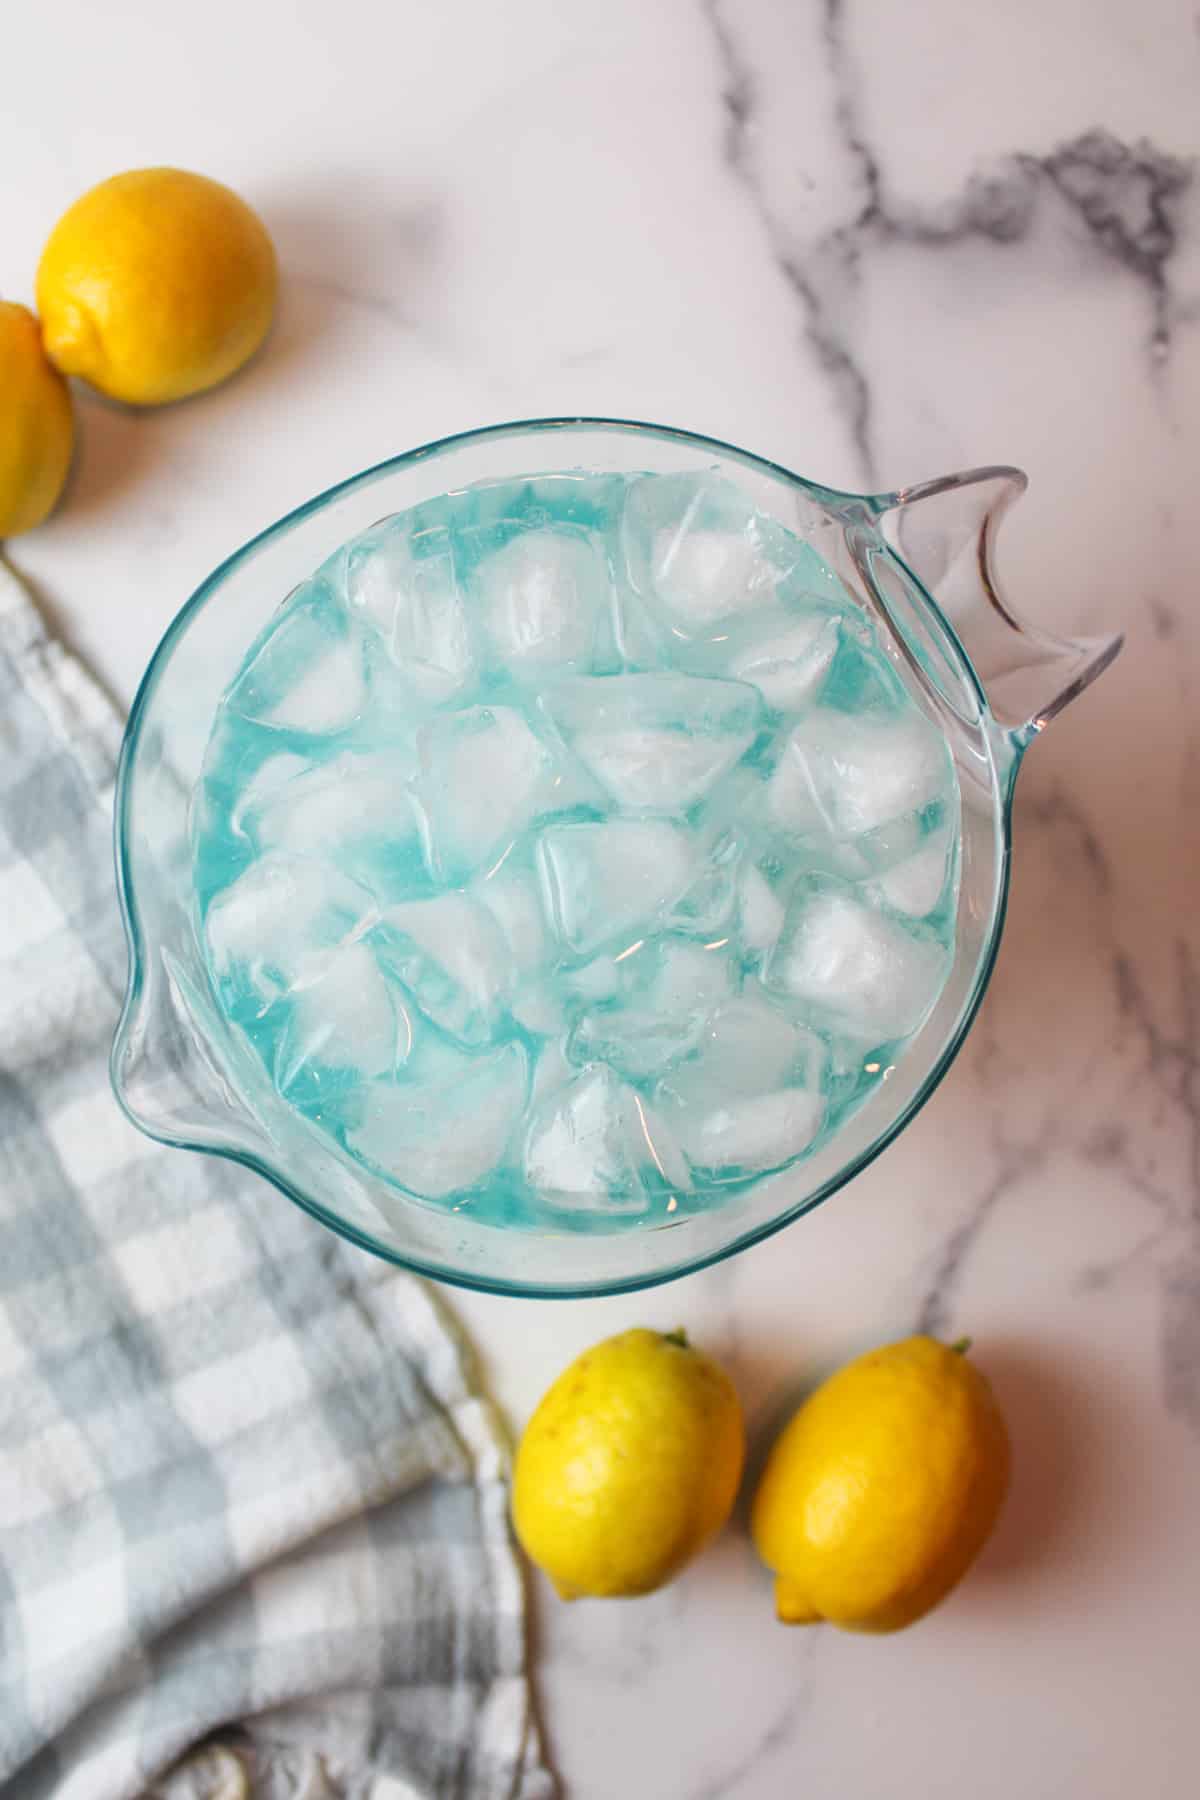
(945, 531)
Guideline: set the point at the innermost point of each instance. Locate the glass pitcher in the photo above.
(918, 561)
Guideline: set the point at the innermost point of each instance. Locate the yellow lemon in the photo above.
(629, 1465)
(37, 429)
(882, 1489)
(156, 284)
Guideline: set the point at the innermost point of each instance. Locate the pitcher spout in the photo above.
(945, 531)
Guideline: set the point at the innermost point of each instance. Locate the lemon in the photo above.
(882, 1489)
(37, 430)
(156, 284)
(629, 1465)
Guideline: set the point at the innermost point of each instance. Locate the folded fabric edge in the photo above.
(79, 712)
(451, 1366)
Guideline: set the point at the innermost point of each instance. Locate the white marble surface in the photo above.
(876, 242)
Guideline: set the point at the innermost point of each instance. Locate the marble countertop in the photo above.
(876, 243)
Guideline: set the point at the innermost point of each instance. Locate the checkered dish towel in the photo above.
(249, 1498)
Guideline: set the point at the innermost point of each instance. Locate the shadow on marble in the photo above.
(778, 1384)
(1057, 1426)
(346, 260)
(114, 445)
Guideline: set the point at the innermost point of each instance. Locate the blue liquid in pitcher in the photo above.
(568, 849)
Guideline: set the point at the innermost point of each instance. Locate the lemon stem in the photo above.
(960, 1346)
(678, 1336)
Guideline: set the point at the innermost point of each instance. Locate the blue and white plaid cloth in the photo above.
(253, 1533)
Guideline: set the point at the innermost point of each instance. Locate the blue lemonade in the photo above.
(567, 848)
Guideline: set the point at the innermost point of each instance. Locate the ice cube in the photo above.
(342, 1017)
(309, 674)
(571, 791)
(849, 775)
(450, 955)
(854, 967)
(697, 552)
(656, 742)
(407, 588)
(324, 809)
(543, 597)
(748, 1099)
(595, 1146)
(750, 1136)
(737, 806)
(538, 1006)
(642, 636)
(551, 1071)
(598, 979)
(760, 911)
(608, 978)
(690, 979)
(915, 884)
(706, 904)
(653, 771)
(704, 576)
(789, 666)
(635, 1041)
(794, 805)
(667, 991)
(513, 898)
(441, 1136)
(483, 774)
(258, 791)
(747, 1047)
(603, 882)
(277, 922)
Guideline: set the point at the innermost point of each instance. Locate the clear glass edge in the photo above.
(1100, 651)
(1013, 745)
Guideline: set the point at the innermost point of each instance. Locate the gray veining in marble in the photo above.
(1126, 197)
